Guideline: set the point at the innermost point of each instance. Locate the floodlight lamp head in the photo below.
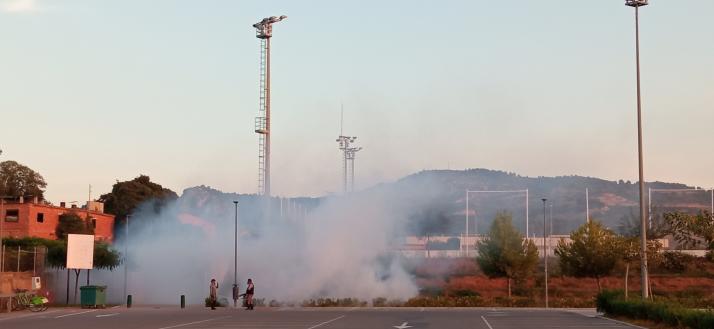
(636, 3)
(264, 28)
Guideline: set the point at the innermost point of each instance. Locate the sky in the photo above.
(92, 92)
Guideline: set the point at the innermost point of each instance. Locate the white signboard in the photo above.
(80, 251)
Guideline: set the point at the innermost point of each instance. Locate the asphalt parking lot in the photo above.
(167, 317)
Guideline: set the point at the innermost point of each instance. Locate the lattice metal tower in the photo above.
(348, 159)
(264, 31)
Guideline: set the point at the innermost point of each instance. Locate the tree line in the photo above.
(593, 251)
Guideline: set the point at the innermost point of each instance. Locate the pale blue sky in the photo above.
(93, 91)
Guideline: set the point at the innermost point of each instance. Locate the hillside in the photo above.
(435, 201)
(612, 202)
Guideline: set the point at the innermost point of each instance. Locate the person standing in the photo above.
(213, 295)
(249, 291)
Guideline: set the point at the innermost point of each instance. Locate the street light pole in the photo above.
(126, 260)
(643, 213)
(2, 219)
(545, 253)
(235, 259)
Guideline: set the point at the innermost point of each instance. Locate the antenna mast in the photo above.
(264, 31)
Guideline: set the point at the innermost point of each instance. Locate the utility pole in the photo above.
(264, 31)
(643, 212)
(235, 259)
(126, 260)
(545, 252)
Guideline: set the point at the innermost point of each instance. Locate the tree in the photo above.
(105, 257)
(693, 230)
(505, 253)
(72, 223)
(17, 180)
(127, 196)
(592, 253)
(657, 228)
(431, 220)
(630, 241)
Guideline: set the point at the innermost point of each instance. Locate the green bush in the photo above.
(673, 314)
(334, 302)
(383, 302)
(441, 301)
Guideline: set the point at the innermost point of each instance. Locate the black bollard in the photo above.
(183, 301)
(128, 301)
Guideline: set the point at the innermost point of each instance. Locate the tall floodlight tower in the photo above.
(348, 161)
(264, 31)
(351, 152)
(643, 211)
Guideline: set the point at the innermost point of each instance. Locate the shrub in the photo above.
(465, 293)
(431, 291)
(675, 261)
(379, 302)
(440, 301)
(221, 302)
(383, 302)
(336, 302)
(612, 303)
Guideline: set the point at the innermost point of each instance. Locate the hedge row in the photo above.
(613, 303)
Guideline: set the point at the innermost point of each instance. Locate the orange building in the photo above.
(33, 219)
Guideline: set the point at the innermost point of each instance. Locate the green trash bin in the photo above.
(93, 296)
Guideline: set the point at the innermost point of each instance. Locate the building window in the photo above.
(12, 215)
(40, 217)
(94, 223)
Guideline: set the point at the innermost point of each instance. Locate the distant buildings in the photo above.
(34, 219)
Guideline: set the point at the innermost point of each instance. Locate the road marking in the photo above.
(71, 314)
(622, 323)
(403, 326)
(41, 315)
(486, 322)
(319, 324)
(195, 322)
(106, 315)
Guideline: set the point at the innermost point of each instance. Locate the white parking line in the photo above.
(486, 322)
(71, 314)
(326, 322)
(195, 322)
(107, 315)
(42, 314)
(622, 323)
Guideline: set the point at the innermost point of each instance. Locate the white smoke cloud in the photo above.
(340, 249)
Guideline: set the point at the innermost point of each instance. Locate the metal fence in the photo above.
(22, 259)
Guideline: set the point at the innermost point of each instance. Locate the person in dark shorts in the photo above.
(213, 294)
(249, 291)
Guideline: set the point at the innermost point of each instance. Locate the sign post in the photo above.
(80, 256)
